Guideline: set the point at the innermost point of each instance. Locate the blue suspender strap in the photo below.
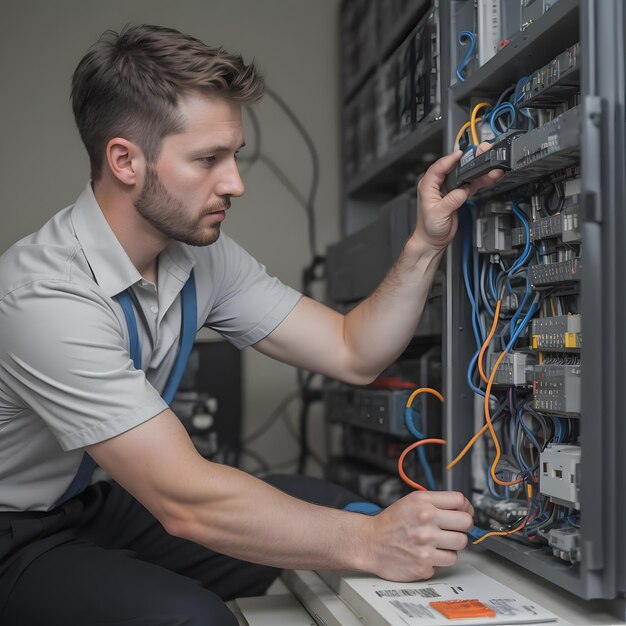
(81, 479)
(135, 346)
(185, 345)
(187, 337)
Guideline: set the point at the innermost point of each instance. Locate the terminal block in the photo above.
(555, 82)
(515, 369)
(555, 273)
(547, 227)
(555, 145)
(559, 474)
(556, 389)
(562, 332)
(564, 225)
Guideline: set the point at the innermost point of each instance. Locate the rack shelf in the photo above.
(402, 28)
(419, 147)
(411, 17)
(528, 51)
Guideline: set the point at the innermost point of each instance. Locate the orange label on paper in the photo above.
(462, 609)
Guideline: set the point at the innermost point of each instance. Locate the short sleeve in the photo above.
(64, 355)
(250, 304)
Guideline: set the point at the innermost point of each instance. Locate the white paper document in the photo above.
(445, 599)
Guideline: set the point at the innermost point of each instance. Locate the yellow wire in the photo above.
(462, 131)
(473, 120)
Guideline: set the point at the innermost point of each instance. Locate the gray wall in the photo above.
(44, 165)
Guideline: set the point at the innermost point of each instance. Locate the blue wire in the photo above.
(527, 430)
(527, 295)
(521, 83)
(428, 473)
(464, 36)
(500, 110)
(527, 246)
(470, 291)
(470, 370)
(517, 97)
(465, 252)
(531, 311)
(520, 262)
(476, 285)
(410, 424)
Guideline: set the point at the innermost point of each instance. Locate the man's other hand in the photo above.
(436, 214)
(416, 534)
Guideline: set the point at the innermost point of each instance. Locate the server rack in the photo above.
(378, 51)
(392, 130)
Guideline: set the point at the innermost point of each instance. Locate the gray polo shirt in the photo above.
(66, 377)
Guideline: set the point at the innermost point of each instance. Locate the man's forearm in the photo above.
(381, 326)
(236, 514)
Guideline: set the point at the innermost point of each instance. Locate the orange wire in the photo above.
(414, 445)
(488, 424)
(487, 341)
(470, 443)
(492, 432)
(481, 432)
(422, 442)
(409, 402)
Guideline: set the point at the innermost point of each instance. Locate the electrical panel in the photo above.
(532, 342)
(531, 315)
(521, 277)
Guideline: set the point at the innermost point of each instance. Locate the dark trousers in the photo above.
(102, 558)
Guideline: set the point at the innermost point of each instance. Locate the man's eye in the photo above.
(207, 160)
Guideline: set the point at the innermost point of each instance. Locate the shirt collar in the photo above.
(113, 270)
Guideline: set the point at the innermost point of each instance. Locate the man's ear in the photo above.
(126, 160)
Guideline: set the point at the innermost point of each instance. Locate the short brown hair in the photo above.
(128, 85)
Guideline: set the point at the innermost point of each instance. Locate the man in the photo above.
(92, 308)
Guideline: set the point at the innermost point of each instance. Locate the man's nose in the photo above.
(230, 183)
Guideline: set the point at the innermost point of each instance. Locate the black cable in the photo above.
(315, 163)
(295, 436)
(309, 272)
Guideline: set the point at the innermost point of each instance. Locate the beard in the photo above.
(171, 217)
